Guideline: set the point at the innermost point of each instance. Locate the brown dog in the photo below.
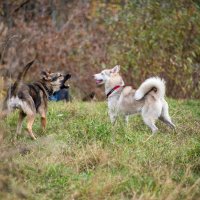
(32, 98)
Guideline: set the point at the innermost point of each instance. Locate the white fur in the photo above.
(121, 101)
(149, 83)
(115, 69)
(15, 102)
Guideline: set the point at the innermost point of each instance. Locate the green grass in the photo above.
(82, 156)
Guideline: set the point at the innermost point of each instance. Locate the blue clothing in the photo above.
(62, 94)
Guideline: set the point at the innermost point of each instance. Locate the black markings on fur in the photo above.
(66, 77)
(21, 95)
(154, 89)
(35, 94)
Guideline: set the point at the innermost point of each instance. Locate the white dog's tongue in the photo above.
(98, 81)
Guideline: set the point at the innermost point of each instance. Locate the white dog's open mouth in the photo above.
(99, 81)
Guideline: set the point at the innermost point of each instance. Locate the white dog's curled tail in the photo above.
(151, 85)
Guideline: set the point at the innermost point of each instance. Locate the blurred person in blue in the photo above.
(61, 95)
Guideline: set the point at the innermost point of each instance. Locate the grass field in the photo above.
(82, 156)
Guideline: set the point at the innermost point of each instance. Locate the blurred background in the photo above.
(82, 37)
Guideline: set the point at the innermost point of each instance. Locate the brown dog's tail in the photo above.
(21, 77)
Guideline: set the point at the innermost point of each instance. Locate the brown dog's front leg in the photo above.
(30, 121)
(43, 123)
(43, 119)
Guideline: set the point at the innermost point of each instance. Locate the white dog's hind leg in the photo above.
(151, 124)
(150, 114)
(164, 117)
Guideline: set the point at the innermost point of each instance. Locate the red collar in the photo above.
(112, 90)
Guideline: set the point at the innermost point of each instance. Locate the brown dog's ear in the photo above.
(45, 75)
(49, 71)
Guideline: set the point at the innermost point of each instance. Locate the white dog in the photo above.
(148, 99)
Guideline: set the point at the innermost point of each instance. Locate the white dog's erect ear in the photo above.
(116, 69)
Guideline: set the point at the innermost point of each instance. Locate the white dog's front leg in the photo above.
(126, 119)
(113, 116)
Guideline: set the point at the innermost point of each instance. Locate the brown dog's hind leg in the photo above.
(4, 114)
(30, 121)
(22, 115)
